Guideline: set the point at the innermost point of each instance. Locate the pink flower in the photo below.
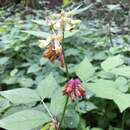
(74, 89)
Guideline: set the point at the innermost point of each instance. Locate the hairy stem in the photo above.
(46, 108)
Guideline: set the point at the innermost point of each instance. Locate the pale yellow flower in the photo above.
(75, 22)
(43, 43)
(53, 39)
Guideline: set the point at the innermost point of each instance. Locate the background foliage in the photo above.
(98, 53)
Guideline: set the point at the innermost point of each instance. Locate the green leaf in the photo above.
(96, 129)
(33, 68)
(71, 119)
(122, 71)
(107, 89)
(70, 34)
(13, 72)
(100, 55)
(4, 104)
(47, 86)
(71, 51)
(83, 107)
(57, 102)
(122, 84)
(78, 11)
(112, 62)
(39, 34)
(3, 60)
(40, 22)
(25, 82)
(24, 120)
(66, 2)
(85, 70)
(20, 95)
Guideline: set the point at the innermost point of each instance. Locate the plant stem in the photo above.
(66, 66)
(64, 110)
(67, 76)
(67, 98)
(110, 34)
(45, 106)
(123, 120)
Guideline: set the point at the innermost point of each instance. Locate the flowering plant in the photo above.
(53, 91)
(53, 116)
(58, 23)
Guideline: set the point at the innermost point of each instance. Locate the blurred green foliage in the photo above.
(98, 53)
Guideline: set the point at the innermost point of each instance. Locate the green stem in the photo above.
(64, 110)
(67, 76)
(67, 98)
(66, 66)
(123, 120)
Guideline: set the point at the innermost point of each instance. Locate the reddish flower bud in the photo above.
(53, 53)
(74, 89)
(62, 60)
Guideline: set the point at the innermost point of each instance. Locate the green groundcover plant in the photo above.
(81, 81)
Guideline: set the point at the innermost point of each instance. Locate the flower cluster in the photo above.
(54, 50)
(74, 89)
(63, 21)
(58, 23)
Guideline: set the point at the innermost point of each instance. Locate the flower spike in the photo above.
(74, 89)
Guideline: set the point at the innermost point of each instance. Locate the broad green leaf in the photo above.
(71, 119)
(4, 104)
(39, 34)
(123, 101)
(70, 34)
(20, 95)
(122, 71)
(96, 129)
(71, 51)
(78, 11)
(103, 87)
(83, 107)
(116, 49)
(43, 61)
(106, 89)
(105, 75)
(85, 70)
(13, 72)
(112, 62)
(47, 86)
(24, 120)
(57, 102)
(25, 82)
(40, 22)
(33, 68)
(100, 56)
(122, 84)
(3, 60)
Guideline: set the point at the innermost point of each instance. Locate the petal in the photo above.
(43, 43)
